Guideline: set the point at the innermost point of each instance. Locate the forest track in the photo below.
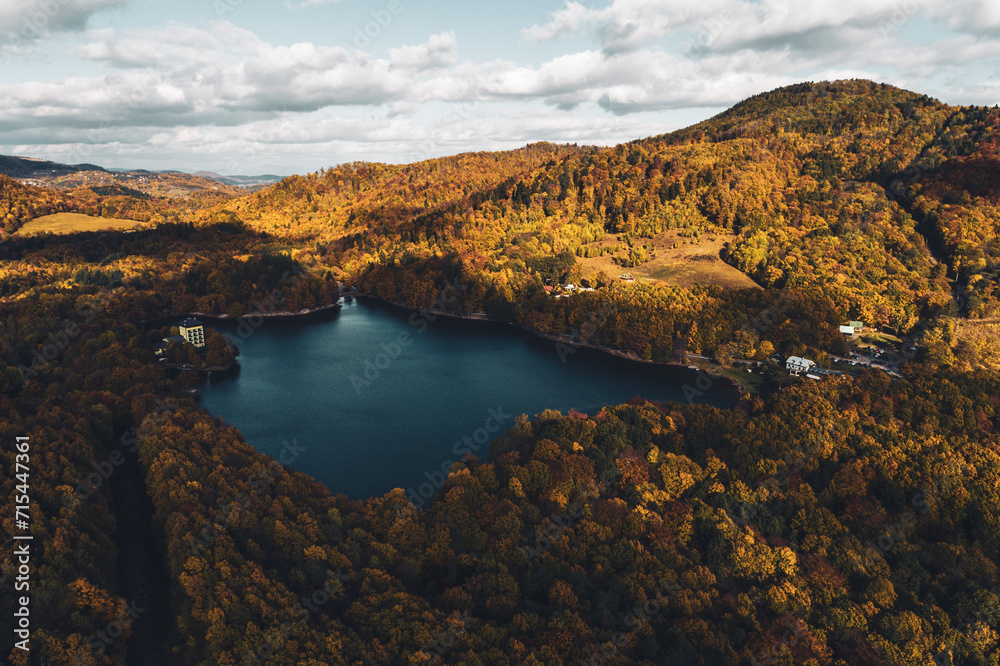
(141, 567)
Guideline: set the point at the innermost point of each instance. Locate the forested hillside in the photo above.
(853, 523)
(870, 200)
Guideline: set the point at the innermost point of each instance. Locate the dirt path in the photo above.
(143, 577)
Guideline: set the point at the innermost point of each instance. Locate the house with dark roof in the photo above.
(797, 364)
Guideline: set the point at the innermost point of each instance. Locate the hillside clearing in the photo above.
(68, 223)
(982, 339)
(679, 261)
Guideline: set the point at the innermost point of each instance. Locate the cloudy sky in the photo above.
(289, 86)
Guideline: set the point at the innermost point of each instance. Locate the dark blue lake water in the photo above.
(376, 397)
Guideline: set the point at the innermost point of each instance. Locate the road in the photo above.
(864, 362)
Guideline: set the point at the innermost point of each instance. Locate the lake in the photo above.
(373, 397)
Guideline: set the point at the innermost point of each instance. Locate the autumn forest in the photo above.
(847, 521)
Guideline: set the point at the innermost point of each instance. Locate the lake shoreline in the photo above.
(277, 314)
(563, 339)
(569, 342)
(383, 396)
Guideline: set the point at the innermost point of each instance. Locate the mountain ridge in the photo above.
(22, 167)
(806, 180)
(818, 183)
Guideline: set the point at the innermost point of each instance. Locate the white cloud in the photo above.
(807, 25)
(953, 53)
(176, 45)
(972, 16)
(23, 22)
(643, 80)
(217, 87)
(440, 50)
(626, 24)
(185, 76)
(564, 21)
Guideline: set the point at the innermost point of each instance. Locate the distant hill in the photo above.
(26, 167)
(118, 191)
(241, 181)
(87, 190)
(198, 191)
(21, 203)
(170, 183)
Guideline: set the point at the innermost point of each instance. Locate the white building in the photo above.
(193, 332)
(797, 364)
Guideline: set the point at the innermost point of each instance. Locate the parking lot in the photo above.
(873, 357)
